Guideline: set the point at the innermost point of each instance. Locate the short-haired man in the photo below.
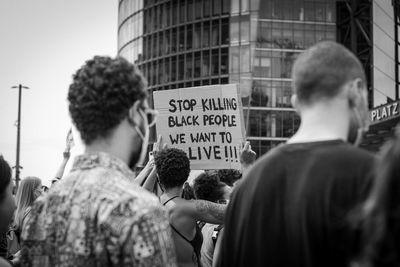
(294, 206)
(96, 215)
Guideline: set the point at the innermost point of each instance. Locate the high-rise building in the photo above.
(253, 43)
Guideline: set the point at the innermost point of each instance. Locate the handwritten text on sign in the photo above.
(206, 122)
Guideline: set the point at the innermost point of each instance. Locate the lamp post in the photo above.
(17, 166)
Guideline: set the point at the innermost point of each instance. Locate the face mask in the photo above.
(139, 155)
(359, 122)
(355, 134)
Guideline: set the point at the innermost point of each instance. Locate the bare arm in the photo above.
(151, 181)
(142, 176)
(60, 171)
(205, 211)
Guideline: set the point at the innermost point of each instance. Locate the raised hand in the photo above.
(247, 155)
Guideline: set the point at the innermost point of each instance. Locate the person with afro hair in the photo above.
(97, 215)
(173, 168)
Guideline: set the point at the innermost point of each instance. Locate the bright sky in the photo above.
(43, 42)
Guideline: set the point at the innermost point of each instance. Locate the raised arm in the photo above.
(66, 155)
(247, 157)
(205, 211)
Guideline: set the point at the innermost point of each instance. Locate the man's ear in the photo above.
(134, 113)
(295, 103)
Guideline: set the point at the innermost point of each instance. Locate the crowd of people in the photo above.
(317, 200)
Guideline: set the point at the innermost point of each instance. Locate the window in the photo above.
(245, 58)
(167, 42)
(197, 64)
(182, 7)
(216, 7)
(225, 6)
(198, 8)
(166, 69)
(309, 11)
(235, 6)
(189, 37)
(189, 12)
(174, 13)
(181, 68)
(161, 73)
(245, 5)
(206, 34)
(167, 14)
(234, 30)
(320, 12)
(245, 28)
(161, 44)
(174, 40)
(206, 10)
(181, 38)
(155, 42)
(215, 62)
(173, 69)
(215, 33)
(234, 62)
(189, 66)
(206, 64)
(277, 9)
(197, 36)
(224, 32)
(224, 61)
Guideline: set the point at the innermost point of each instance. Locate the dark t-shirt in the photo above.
(293, 207)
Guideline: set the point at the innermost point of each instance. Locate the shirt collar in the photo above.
(101, 159)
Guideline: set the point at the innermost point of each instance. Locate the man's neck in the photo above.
(322, 122)
(171, 192)
(110, 147)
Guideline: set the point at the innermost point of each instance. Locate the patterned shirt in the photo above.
(96, 216)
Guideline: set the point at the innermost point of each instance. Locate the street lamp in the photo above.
(17, 166)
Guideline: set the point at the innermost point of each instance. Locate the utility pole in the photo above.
(17, 166)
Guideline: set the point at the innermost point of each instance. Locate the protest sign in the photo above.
(206, 122)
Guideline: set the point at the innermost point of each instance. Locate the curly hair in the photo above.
(229, 176)
(173, 167)
(207, 186)
(101, 94)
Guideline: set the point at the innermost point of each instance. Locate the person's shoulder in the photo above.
(352, 152)
(134, 201)
(4, 263)
(274, 158)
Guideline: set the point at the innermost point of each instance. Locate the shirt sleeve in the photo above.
(140, 236)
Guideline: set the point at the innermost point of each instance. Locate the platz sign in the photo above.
(386, 112)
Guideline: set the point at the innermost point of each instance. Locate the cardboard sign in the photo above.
(206, 122)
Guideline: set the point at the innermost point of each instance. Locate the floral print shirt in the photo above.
(96, 216)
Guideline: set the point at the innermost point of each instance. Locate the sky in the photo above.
(43, 42)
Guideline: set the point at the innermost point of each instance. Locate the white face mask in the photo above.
(359, 123)
(145, 139)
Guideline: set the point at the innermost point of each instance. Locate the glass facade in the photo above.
(253, 43)
(284, 29)
(384, 75)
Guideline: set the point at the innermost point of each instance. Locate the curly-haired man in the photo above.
(97, 216)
